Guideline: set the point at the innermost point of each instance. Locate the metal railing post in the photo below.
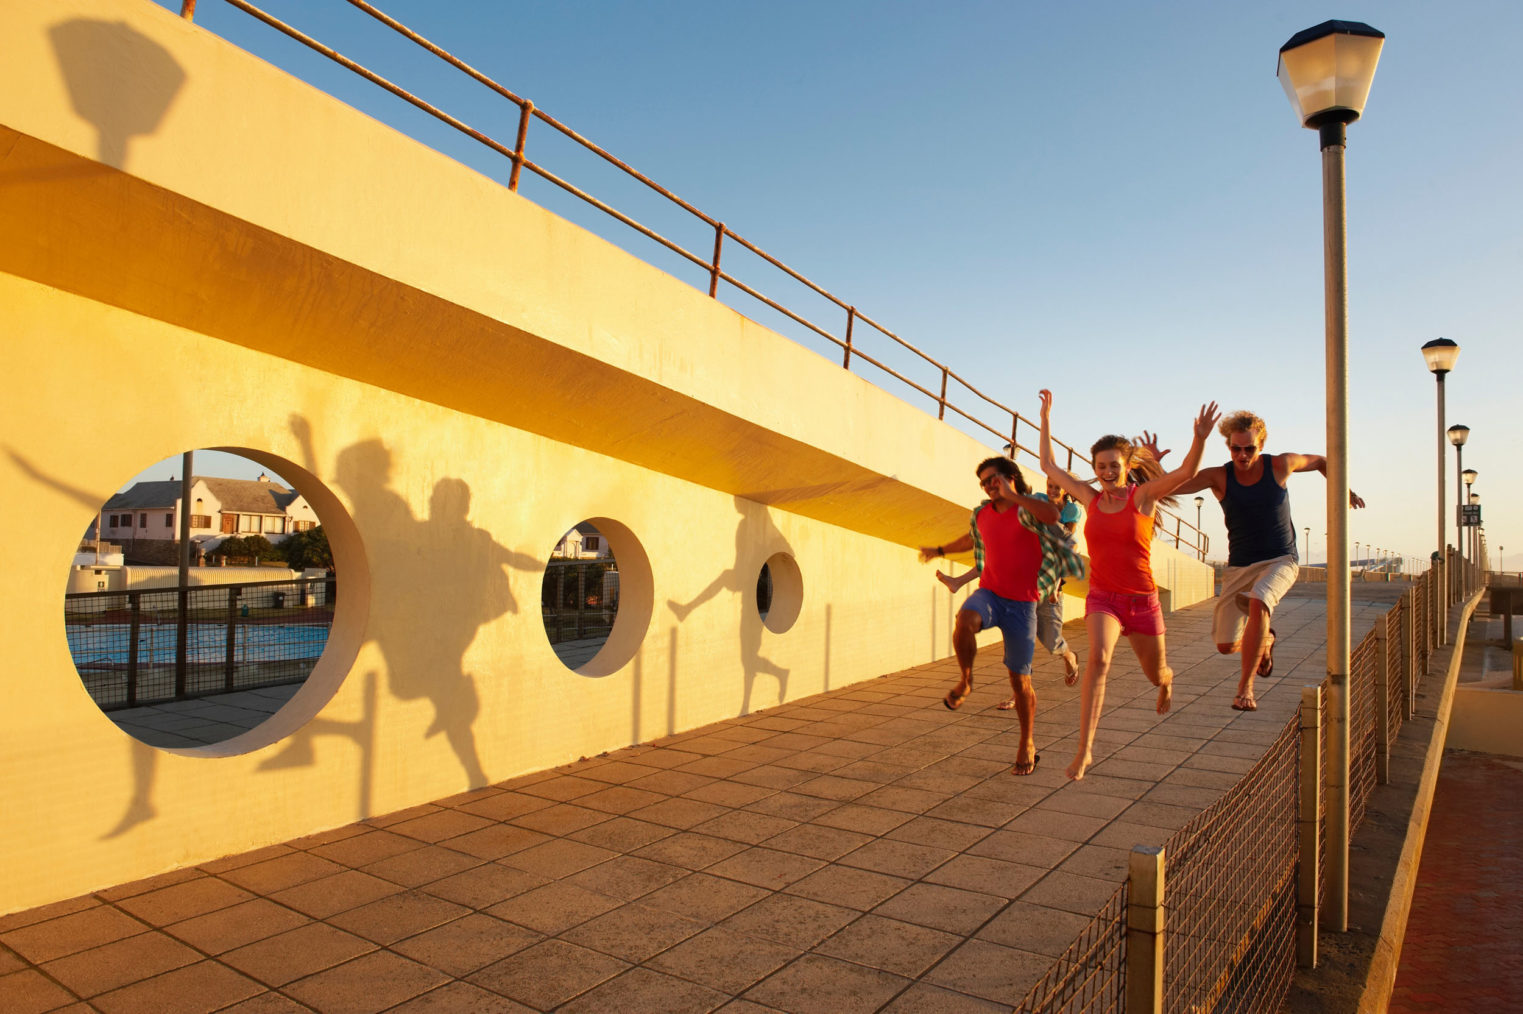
(525, 112)
(1144, 931)
(188, 9)
(1308, 869)
(230, 650)
(941, 403)
(1382, 702)
(714, 264)
(134, 622)
(851, 316)
(1409, 651)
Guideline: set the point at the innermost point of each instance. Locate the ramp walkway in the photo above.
(863, 849)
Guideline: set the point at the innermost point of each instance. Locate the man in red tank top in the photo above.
(1008, 556)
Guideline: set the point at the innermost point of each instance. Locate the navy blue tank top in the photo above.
(1258, 518)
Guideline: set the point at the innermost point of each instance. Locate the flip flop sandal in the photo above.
(1030, 768)
(1266, 664)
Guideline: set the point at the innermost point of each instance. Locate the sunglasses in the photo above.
(991, 482)
(1249, 449)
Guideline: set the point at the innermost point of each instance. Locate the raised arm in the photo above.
(1314, 463)
(961, 544)
(1080, 491)
(1149, 493)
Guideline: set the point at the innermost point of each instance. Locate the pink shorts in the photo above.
(1138, 614)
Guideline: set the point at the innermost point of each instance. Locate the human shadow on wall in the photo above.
(755, 529)
(144, 758)
(120, 81)
(416, 564)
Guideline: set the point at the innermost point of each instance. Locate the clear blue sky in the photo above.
(1111, 199)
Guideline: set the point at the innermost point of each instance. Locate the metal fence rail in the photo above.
(126, 645)
(1090, 976)
(1361, 732)
(1231, 892)
(985, 414)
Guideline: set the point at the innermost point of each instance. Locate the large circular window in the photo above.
(193, 617)
(596, 596)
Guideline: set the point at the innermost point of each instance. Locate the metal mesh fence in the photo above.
(1090, 976)
(579, 599)
(1230, 892)
(1362, 675)
(1396, 669)
(127, 645)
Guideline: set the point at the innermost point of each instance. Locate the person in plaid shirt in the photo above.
(1010, 562)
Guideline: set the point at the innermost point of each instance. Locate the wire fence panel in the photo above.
(1090, 976)
(128, 648)
(1230, 892)
(1396, 668)
(1363, 669)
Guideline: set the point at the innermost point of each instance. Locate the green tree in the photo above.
(308, 549)
(245, 549)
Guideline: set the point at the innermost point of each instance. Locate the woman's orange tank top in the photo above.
(1120, 548)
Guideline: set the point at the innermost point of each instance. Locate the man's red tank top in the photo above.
(1120, 548)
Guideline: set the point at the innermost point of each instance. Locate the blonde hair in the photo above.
(1139, 462)
(1243, 422)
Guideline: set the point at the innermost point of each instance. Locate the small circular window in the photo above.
(192, 618)
(779, 592)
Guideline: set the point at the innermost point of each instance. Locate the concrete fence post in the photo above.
(1144, 931)
(1308, 870)
(1382, 702)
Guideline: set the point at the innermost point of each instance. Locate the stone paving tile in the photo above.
(889, 944)
(71, 934)
(898, 858)
(233, 927)
(204, 986)
(988, 970)
(374, 982)
(724, 960)
(468, 944)
(634, 932)
(794, 922)
(330, 895)
(30, 992)
(116, 964)
(555, 907)
(296, 953)
(548, 974)
(641, 989)
(923, 998)
(454, 997)
(817, 984)
(945, 908)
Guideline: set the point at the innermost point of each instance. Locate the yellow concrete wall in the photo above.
(452, 378)
(1487, 721)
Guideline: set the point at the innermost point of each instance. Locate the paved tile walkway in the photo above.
(1461, 951)
(864, 849)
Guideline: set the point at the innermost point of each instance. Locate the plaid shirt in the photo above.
(1060, 557)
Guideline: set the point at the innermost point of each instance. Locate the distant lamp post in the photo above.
(1458, 434)
(1440, 355)
(1308, 545)
(1198, 540)
(1469, 475)
(1326, 72)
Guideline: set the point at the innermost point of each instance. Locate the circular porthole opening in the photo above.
(185, 662)
(596, 596)
(779, 592)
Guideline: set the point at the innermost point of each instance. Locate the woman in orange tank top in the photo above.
(1118, 533)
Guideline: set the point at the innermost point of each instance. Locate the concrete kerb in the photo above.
(1383, 963)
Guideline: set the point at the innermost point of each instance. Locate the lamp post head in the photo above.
(1327, 70)
(1440, 355)
(1470, 475)
(1458, 434)
(1475, 498)
(1199, 500)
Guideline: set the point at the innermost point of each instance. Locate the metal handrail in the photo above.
(711, 265)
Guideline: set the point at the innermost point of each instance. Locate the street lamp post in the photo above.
(1199, 541)
(1326, 72)
(1458, 434)
(1308, 545)
(1440, 354)
(1476, 562)
(1470, 475)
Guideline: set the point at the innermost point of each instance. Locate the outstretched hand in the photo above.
(1354, 499)
(1149, 442)
(1046, 397)
(1205, 422)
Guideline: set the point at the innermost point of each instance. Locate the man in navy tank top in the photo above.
(1261, 543)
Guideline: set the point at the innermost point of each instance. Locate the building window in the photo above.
(248, 522)
(303, 526)
(169, 520)
(142, 520)
(200, 521)
(591, 543)
(113, 522)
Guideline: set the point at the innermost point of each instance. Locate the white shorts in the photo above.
(1267, 581)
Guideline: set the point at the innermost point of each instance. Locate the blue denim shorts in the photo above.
(1016, 620)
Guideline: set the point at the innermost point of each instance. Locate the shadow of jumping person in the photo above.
(415, 566)
(753, 535)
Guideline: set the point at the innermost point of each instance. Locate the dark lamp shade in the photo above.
(1440, 355)
(1458, 434)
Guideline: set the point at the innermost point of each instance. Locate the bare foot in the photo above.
(945, 579)
(1005, 705)
(1071, 664)
(1165, 696)
(1079, 766)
